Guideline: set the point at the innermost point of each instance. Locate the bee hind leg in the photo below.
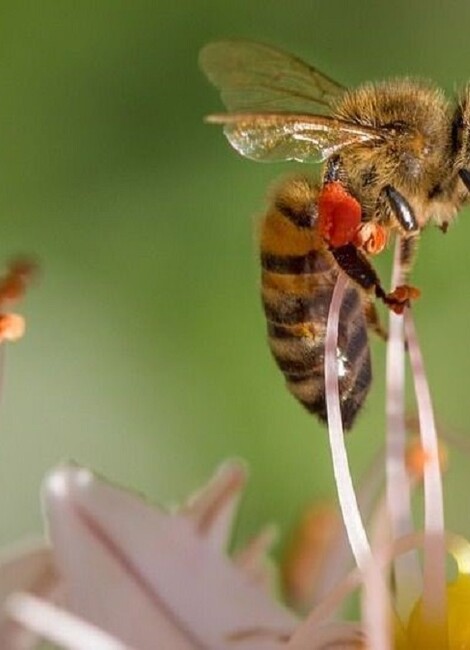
(359, 269)
(373, 322)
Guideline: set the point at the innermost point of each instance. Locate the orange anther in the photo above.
(12, 327)
(307, 552)
(417, 458)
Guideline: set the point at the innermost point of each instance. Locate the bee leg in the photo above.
(333, 171)
(359, 269)
(444, 227)
(408, 249)
(373, 321)
(401, 209)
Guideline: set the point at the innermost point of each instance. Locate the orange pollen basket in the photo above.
(339, 215)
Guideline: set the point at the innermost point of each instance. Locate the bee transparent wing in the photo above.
(258, 78)
(287, 136)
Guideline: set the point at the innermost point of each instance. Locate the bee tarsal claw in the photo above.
(401, 297)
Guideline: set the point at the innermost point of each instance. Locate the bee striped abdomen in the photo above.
(298, 277)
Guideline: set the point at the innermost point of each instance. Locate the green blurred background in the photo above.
(145, 355)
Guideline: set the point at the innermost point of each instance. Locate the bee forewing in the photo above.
(285, 136)
(256, 77)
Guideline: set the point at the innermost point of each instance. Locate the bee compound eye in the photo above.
(465, 176)
(401, 209)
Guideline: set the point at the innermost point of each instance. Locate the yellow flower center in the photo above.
(421, 633)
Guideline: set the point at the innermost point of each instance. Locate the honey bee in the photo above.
(396, 156)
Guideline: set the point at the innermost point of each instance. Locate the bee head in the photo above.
(460, 137)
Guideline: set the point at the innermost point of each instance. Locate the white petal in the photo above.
(147, 576)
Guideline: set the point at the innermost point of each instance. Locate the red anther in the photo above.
(13, 284)
(339, 215)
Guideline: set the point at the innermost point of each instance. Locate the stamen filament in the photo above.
(434, 574)
(376, 620)
(398, 490)
(456, 545)
(346, 495)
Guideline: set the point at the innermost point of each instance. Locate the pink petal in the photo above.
(253, 558)
(331, 636)
(30, 568)
(148, 577)
(213, 508)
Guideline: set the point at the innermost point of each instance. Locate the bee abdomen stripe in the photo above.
(350, 408)
(353, 403)
(303, 218)
(307, 389)
(351, 303)
(296, 349)
(316, 404)
(291, 310)
(363, 376)
(313, 262)
(302, 363)
(281, 331)
(356, 343)
(296, 368)
(285, 309)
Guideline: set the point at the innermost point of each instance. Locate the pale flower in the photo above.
(145, 577)
(120, 573)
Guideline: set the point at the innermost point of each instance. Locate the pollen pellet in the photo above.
(371, 237)
(339, 215)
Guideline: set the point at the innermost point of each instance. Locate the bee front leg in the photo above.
(408, 249)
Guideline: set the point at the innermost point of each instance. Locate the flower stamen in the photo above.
(434, 572)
